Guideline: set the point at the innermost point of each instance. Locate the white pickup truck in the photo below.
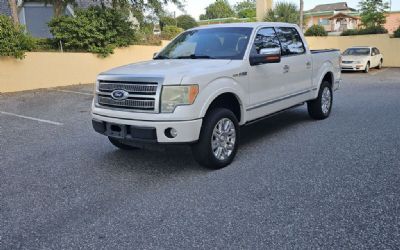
(210, 81)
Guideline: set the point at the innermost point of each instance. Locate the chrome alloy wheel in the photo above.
(223, 139)
(326, 100)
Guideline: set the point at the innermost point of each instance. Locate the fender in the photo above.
(327, 67)
(221, 86)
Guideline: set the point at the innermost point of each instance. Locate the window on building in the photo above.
(323, 21)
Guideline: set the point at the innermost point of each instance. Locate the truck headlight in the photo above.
(173, 96)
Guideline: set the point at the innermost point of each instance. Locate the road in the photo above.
(295, 183)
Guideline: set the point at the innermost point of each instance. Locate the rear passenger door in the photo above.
(296, 62)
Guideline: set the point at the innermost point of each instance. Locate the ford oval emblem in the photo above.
(119, 94)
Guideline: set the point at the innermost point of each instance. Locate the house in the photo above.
(338, 17)
(36, 15)
(335, 17)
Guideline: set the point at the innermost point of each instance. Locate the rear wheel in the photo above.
(321, 107)
(380, 64)
(219, 139)
(120, 144)
(366, 70)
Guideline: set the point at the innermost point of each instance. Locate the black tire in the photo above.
(315, 109)
(367, 67)
(202, 150)
(119, 144)
(380, 64)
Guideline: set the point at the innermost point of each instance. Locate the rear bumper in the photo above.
(147, 131)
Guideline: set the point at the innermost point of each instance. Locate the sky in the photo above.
(197, 7)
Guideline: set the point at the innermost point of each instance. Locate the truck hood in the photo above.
(173, 71)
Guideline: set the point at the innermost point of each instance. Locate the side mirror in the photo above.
(266, 55)
(155, 55)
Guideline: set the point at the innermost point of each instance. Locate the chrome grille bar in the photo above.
(136, 104)
(132, 88)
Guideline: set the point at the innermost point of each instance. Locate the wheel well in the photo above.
(228, 101)
(329, 78)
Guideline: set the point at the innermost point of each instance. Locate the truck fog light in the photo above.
(171, 133)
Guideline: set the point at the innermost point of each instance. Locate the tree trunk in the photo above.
(301, 14)
(58, 8)
(14, 10)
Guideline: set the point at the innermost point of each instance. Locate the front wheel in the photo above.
(366, 70)
(219, 139)
(321, 107)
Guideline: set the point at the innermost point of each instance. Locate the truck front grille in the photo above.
(347, 62)
(142, 95)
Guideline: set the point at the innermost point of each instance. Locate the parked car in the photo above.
(210, 81)
(361, 59)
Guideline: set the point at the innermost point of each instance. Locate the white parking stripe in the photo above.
(31, 118)
(74, 92)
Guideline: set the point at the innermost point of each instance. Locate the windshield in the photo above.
(357, 52)
(212, 43)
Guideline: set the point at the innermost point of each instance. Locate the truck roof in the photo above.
(245, 25)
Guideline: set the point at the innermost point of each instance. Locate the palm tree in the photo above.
(14, 10)
(283, 12)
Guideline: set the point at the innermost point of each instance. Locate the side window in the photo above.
(265, 40)
(291, 42)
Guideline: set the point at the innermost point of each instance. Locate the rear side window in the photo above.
(291, 42)
(266, 38)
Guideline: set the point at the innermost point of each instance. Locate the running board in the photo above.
(273, 114)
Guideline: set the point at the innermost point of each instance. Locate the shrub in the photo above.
(365, 31)
(397, 32)
(97, 30)
(167, 21)
(316, 30)
(170, 32)
(13, 40)
(186, 22)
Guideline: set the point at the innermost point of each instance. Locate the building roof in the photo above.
(331, 7)
(342, 15)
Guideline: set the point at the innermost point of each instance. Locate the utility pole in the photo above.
(301, 14)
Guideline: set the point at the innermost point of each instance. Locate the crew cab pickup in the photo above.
(208, 82)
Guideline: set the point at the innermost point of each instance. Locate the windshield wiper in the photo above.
(160, 57)
(194, 56)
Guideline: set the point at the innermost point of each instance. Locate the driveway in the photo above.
(295, 183)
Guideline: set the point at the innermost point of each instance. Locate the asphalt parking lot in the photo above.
(295, 183)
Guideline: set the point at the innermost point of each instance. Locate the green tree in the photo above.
(171, 32)
(316, 30)
(218, 9)
(186, 22)
(167, 20)
(283, 12)
(397, 33)
(97, 30)
(373, 13)
(13, 40)
(246, 9)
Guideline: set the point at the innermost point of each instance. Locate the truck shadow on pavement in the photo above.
(263, 129)
(178, 158)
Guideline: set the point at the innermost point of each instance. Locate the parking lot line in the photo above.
(31, 118)
(74, 92)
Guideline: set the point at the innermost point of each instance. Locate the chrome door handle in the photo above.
(286, 69)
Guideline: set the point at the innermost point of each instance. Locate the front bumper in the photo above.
(147, 131)
(352, 67)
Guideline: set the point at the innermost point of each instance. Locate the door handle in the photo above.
(308, 65)
(286, 69)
